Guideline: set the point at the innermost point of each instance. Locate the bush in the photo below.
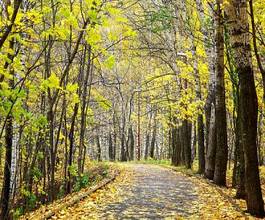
(81, 182)
(18, 212)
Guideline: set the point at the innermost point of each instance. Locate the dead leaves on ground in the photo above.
(213, 202)
(92, 207)
(217, 203)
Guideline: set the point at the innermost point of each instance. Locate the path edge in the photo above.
(78, 198)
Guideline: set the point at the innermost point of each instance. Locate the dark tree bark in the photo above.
(7, 170)
(153, 141)
(153, 138)
(235, 179)
(85, 99)
(179, 158)
(239, 163)
(123, 147)
(111, 150)
(221, 131)
(211, 152)
(71, 147)
(248, 109)
(114, 145)
(114, 134)
(201, 152)
(182, 137)
(241, 191)
(123, 138)
(173, 138)
(5, 195)
(186, 135)
(147, 145)
(170, 145)
(99, 156)
(147, 140)
(131, 144)
(176, 159)
(240, 42)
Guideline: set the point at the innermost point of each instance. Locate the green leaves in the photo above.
(109, 62)
(73, 170)
(159, 20)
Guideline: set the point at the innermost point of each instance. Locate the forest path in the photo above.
(148, 192)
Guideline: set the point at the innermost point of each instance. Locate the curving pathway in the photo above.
(153, 193)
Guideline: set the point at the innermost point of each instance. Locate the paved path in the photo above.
(156, 193)
(153, 193)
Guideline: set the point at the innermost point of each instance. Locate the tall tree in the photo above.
(221, 131)
(240, 43)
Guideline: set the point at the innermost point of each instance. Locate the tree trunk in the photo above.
(131, 144)
(99, 157)
(239, 166)
(71, 147)
(153, 141)
(211, 152)
(5, 195)
(147, 145)
(173, 134)
(85, 99)
(235, 179)
(201, 152)
(186, 126)
(111, 158)
(7, 170)
(240, 42)
(241, 191)
(123, 138)
(221, 131)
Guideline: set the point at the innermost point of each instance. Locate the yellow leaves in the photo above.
(115, 12)
(71, 91)
(90, 3)
(115, 24)
(93, 207)
(129, 32)
(5, 73)
(113, 36)
(200, 51)
(189, 54)
(72, 87)
(203, 71)
(217, 203)
(52, 82)
(56, 32)
(34, 16)
(46, 10)
(109, 62)
(93, 36)
(225, 4)
(186, 71)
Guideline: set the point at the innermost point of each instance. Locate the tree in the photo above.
(221, 131)
(240, 43)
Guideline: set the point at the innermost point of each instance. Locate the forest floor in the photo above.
(146, 191)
